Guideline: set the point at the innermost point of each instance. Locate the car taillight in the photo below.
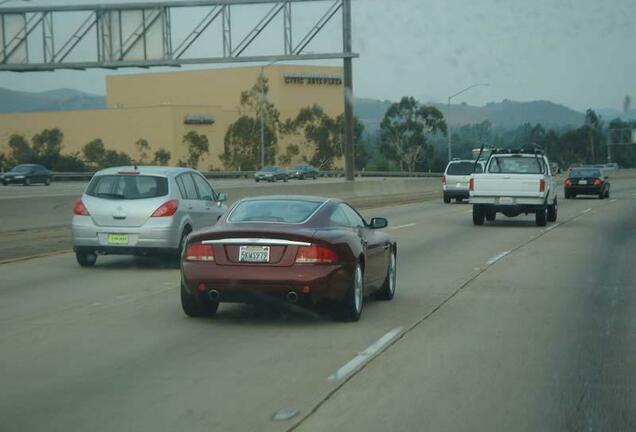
(199, 252)
(471, 184)
(168, 208)
(316, 254)
(541, 185)
(443, 180)
(568, 182)
(598, 182)
(79, 208)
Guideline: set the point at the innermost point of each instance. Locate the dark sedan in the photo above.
(305, 250)
(27, 174)
(271, 174)
(587, 181)
(304, 171)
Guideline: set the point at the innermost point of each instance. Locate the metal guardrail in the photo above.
(85, 176)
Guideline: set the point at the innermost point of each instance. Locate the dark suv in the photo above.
(27, 174)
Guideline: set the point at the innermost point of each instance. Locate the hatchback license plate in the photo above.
(117, 239)
(254, 254)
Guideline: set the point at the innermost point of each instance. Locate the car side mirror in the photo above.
(221, 197)
(378, 222)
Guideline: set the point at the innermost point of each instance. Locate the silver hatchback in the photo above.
(142, 211)
(456, 176)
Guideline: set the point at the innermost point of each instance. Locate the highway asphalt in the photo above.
(504, 327)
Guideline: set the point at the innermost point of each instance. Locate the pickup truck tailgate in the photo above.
(512, 185)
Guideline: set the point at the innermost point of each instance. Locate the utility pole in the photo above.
(348, 91)
(448, 108)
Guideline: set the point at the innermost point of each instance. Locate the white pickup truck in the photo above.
(514, 183)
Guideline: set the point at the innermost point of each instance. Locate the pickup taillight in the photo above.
(541, 185)
(471, 184)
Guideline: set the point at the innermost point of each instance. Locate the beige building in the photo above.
(163, 107)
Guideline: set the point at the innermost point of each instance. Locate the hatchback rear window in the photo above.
(281, 211)
(463, 168)
(127, 187)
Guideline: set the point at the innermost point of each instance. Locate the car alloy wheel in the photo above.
(358, 293)
(387, 291)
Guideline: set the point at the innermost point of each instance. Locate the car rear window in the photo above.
(585, 173)
(515, 165)
(127, 187)
(463, 168)
(268, 210)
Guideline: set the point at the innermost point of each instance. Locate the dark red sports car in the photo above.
(306, 250)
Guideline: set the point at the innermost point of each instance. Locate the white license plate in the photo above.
(117, 239)
(458, 185)
(582, 181)
(506, 200)
(254, 254)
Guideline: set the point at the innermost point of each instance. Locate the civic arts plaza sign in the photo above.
(313, 79)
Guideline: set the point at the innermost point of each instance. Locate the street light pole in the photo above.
(448, 108)
(262, 117)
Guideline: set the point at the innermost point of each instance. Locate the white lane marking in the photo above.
(586, 210)
(365, 355)
(552, 227)
(497, 257)
(613, 200)
(403, 226)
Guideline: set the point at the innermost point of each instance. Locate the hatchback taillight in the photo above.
(316, 254)
(79, 208)
(471, 184)
(541, 185)
(598, 182)
(198, 251)
(443, 180)
(168, 208)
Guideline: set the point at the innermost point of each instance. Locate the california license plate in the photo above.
(117, 239)
(506, 200)
(254, 254)
(582, 181)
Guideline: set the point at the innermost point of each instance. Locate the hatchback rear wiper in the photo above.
(110, 195)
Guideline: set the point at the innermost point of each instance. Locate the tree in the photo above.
(291, 151)
(162, 157)
(405, 127)
(115, 158)
(47, 146)
(94, 152)
(143, 147)
(20, 150)
(198, 145)
(241, 144)
(594, 126)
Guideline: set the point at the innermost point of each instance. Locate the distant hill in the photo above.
(12, 101)
(505, 114)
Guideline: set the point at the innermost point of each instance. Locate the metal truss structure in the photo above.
(141, 35)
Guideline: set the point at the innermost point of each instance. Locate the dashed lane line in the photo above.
(363, 357)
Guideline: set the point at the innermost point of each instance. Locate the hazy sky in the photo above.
(576, 52)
